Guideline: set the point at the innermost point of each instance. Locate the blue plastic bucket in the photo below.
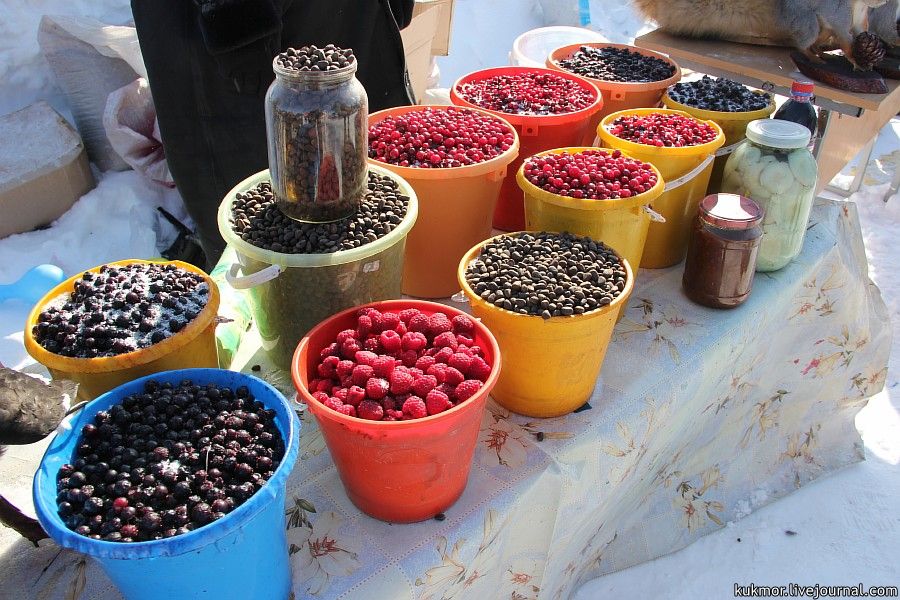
(243, 555)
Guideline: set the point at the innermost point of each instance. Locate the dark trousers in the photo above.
(209, 102)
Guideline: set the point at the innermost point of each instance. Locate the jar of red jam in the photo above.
(721, 255)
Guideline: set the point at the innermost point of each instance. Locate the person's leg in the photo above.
(210, 109)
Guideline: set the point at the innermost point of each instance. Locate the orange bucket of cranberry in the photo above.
(548, 109)
(398, 389)
(455, 159)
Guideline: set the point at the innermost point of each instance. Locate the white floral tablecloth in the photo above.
(700, 417)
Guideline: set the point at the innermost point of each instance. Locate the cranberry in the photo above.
(662, 129)
(590, 174)
(528, 93)
(439, 138)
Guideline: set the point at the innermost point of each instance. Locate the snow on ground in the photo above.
(846, 525)
(24, 74)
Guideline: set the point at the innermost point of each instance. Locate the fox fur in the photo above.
(808, 25)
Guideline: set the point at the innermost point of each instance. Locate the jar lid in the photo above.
(777, 133)
(730, 211)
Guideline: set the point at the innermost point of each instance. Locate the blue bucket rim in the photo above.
(45, 477)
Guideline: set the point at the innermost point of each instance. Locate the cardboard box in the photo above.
(43, 168)
(417, 41)
(440, 44)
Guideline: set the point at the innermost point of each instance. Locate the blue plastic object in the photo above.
(243, 555)
(32, 286)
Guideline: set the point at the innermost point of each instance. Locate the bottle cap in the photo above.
(802, 87)
(776, 133)
(730, 211)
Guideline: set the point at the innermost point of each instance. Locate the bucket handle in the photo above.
(654, 216)
(250, 281)
(726, 150)
(676, 183)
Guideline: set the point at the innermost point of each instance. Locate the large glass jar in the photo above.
(721, 254)
(318, 142)
(774, 168)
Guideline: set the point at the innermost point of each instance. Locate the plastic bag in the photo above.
(87, 75)
(133, 131)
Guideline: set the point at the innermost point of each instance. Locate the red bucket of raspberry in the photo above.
(398, 389)
(548, 109)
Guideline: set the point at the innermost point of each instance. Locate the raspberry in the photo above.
(347, 334)
(414, 340)
(438, 323)
(372, 345)
(479, 369)
(409, 358)
(340, 393)
(414, 408)
(345, 368)
(362, 374)
(350, 348)
(438, 371)
(389, 403)
(324, 385)
(445, 340)
(460, 361)
(448, 390)
(437, 402)
(424, 363)
(401, 382)
(453, 376)
(320, 396)
(443, 355)
(394, 415)
(384, 365)
(329, 350)
(331, 363)
(333, 403)
(377, 320)
(355, 395)
(408, 313)
(390, 341)
(420, 323)
(462, 325)
(363, 326)
(390, 320)
(401, 329)
(365, 357)
(467, 389)
(424, 384)
(463, 340)
(377, 388)
(348, 410)
(369, 409)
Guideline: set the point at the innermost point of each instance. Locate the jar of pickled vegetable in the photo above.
(722, 249)
(774, 167)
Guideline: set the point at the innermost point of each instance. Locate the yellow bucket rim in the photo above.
(662, 151)
(586, 203)
(141, 356)
(719, 115)
(475, 299)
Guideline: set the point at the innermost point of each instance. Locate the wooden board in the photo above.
(764, 63)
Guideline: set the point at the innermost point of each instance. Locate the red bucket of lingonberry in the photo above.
(398, 389)
(548, 109)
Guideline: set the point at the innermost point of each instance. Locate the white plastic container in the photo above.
(532, 48)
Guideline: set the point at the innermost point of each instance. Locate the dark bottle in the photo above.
(799, 109)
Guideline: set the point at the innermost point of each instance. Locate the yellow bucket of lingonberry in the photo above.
(192, 345)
